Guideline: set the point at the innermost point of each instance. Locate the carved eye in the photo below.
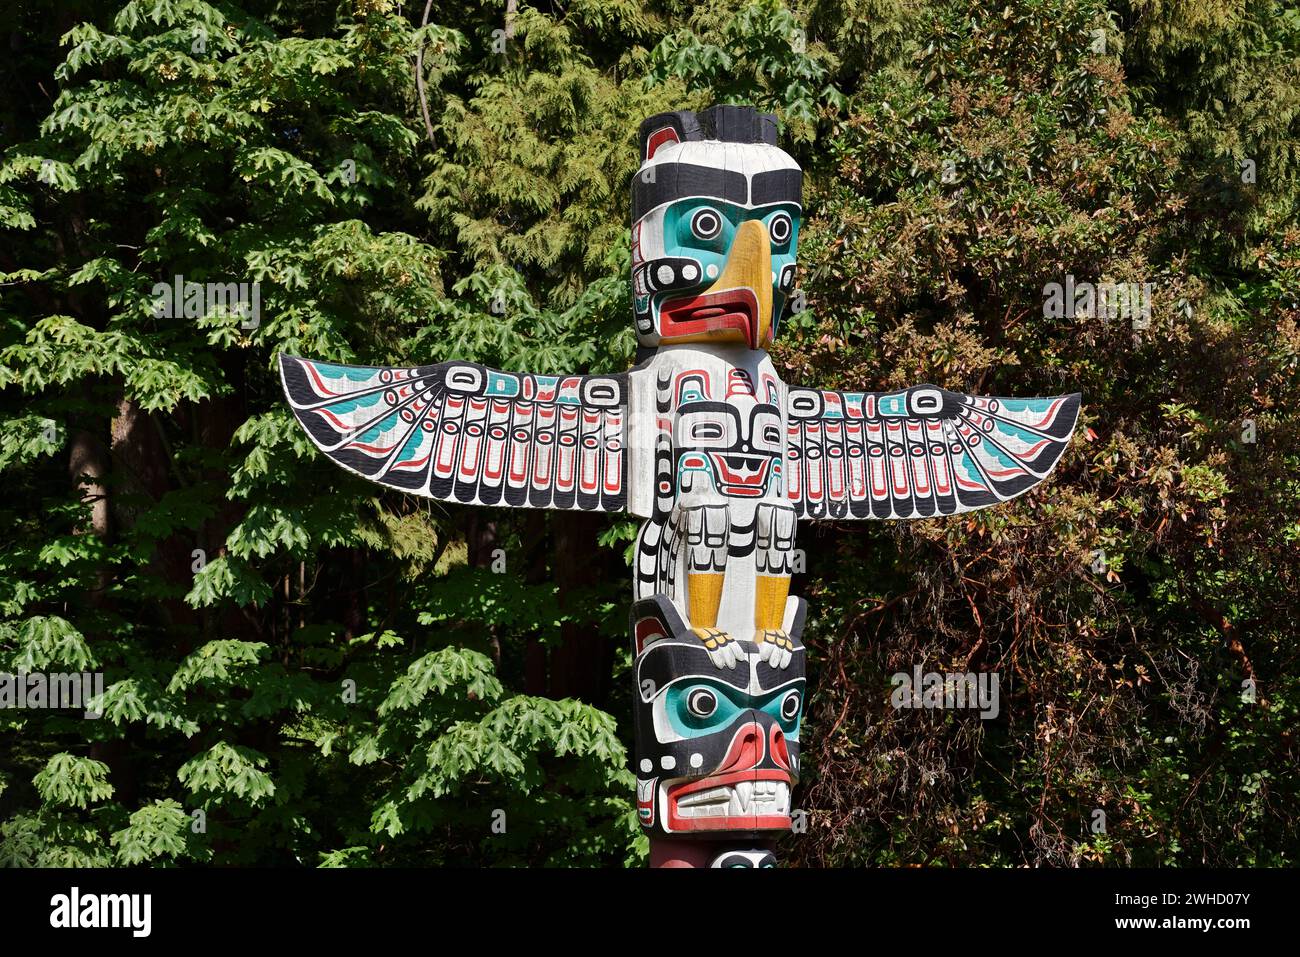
(706, 431)
(925, 401)
(706, 223)
(791, 705)
(701, 702)
(780, 228)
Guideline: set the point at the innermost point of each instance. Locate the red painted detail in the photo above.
(713, 311)
(658, 139)
(648, 630)
(730, 822)
(318, 382)
(739, 383)
(777, 748)
(748, 483)
(411, 463)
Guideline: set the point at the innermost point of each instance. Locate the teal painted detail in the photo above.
(1006, 428)
(331, 371)
(344, 406)
(729, 703)
(971, 471)
(681, 242)
(378, 429)
(409, 449)
(706, 468)
(1002, 457)
(894, 405)
(1036, 406)
(500, 383)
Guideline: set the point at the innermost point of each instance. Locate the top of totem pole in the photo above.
(716, 207)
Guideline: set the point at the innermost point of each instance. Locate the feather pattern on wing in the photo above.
(918, 452)
(462, 432)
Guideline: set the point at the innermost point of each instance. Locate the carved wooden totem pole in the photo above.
(721, 458)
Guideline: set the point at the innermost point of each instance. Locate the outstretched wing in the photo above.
(919, 452)
(466, 433)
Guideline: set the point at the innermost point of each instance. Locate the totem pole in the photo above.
(720, 457)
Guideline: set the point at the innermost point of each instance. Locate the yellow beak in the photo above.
(749, 266)
(746, 281)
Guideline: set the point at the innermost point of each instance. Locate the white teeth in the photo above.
(718, 795)
(746, 797)
(745, 794)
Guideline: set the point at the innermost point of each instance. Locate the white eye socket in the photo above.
(706, 223)
(701, 702)
(765, 432)
(790, 706)
(704, 428)
(925, 402)
(780, 228)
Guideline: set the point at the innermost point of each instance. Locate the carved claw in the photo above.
(722, 648)
(774, 646)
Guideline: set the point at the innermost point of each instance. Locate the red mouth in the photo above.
(730, 309)
(744, 475)
(740, 801)
(739, 796)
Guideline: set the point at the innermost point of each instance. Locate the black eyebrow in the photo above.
(778, 186)
(710, 405)
(771, 680)
(678, 180)
(667, 661)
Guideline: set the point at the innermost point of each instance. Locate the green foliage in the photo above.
(757, 53)
(1124, 604)
(277, 640)
(157, 833)
(302, 670)
(48, 642)
(73, 781)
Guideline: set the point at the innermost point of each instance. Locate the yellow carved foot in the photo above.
(774, 646)
(722, 648)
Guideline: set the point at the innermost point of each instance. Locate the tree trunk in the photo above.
(580, 667)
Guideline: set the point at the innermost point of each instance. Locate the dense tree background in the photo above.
(338, 676)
